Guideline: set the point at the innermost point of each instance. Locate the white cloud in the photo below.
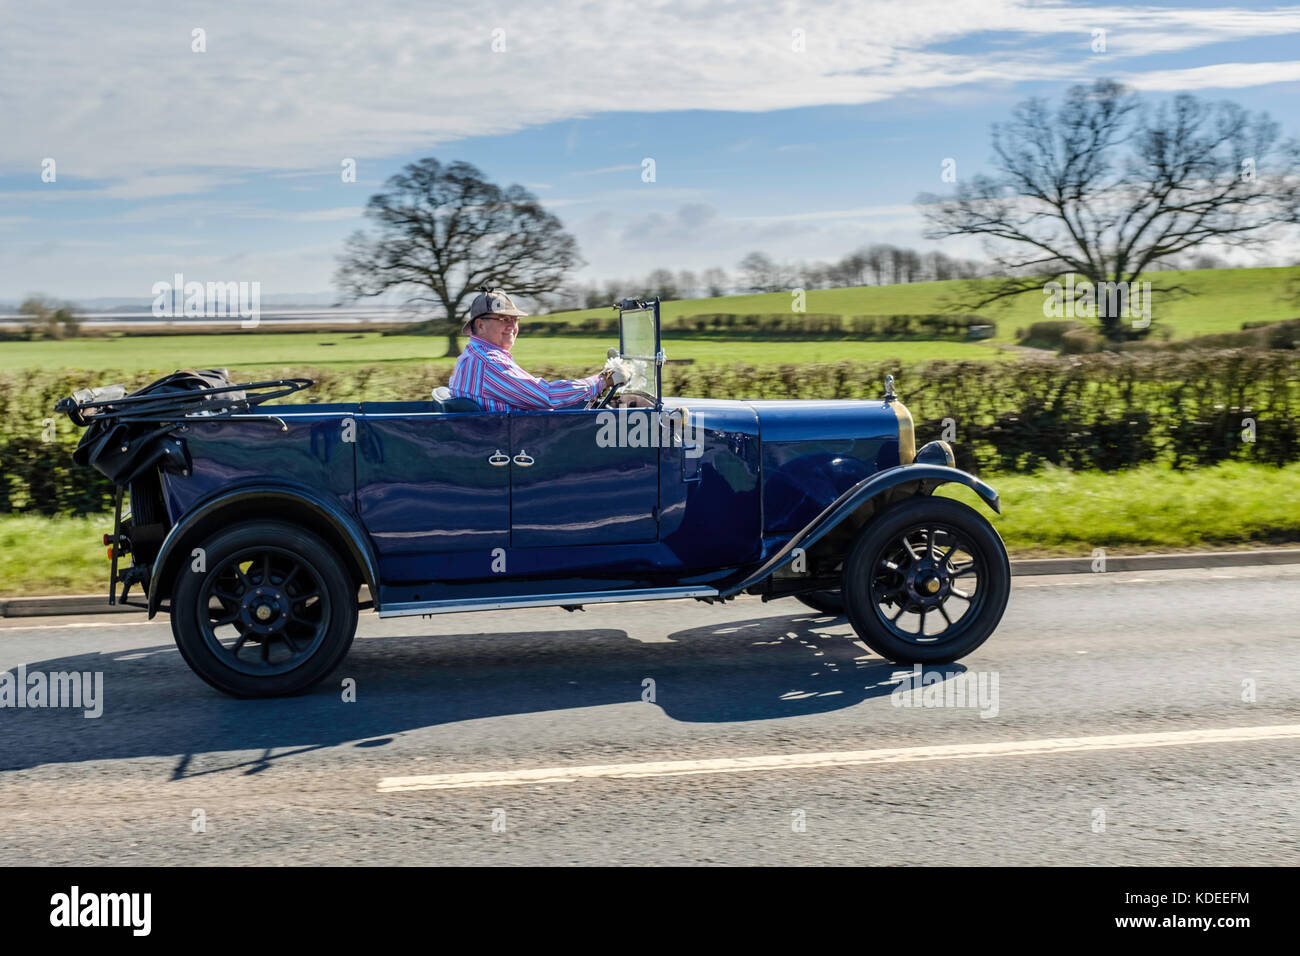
(328, 215)
(625, 167)
(146, 186)
(116, 96)
(865, 212)
(695, 235)
(1218, 75)
(116, 93)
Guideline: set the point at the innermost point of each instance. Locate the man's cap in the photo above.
(490, 302)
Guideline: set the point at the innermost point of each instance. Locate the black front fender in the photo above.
(927, 477)
(321, 516)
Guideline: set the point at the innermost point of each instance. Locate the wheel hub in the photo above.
(264, 610)
(927, 583)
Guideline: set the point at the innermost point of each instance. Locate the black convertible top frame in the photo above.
(175, 405)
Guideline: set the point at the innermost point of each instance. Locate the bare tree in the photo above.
(660, 282)
(878, 257)
(1106, 188)
(941, 267)
(688, 284)
(715, 282)
(616, 290)
(810, 275)
(443, 231)
(47, 318)
(849, 271)
(1206, 260)
(909, 265)
(759, 273)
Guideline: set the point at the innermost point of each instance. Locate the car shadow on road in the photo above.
(758, 669)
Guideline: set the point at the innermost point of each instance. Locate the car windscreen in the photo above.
(638, 349)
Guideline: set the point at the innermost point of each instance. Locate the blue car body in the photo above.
(426, 516)
(438, 510)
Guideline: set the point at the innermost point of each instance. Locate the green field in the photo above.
(258, 349)
(1057, 512)
(1225, 299)
(1053, 513)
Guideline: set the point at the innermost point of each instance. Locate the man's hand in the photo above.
(617, 372)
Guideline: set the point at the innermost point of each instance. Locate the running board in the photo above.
(410, 608)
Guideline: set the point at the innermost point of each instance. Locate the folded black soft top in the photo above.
(127, 434)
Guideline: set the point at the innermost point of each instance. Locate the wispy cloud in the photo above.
(864, 212)
(329, 215)
(145, 131)
(1217, 76)
(623, 168)
(288, 88)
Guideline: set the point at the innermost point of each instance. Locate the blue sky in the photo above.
(224, 164)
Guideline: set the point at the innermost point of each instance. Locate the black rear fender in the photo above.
(338, 529)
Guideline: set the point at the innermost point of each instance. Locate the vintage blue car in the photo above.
(256, 526)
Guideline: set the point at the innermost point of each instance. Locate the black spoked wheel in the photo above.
(927, 581)
(927, 573)
(270, 611)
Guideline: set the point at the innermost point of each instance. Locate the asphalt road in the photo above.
(743, 694)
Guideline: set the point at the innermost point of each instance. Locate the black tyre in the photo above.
(272, 611)
(927, 581)
(827, 602)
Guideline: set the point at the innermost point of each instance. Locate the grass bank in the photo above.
(1223, 299)
(1054, 513)
(235, 349)
(1062, 513)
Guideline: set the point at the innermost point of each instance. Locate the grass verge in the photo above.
(1058, 513)
(53, 555)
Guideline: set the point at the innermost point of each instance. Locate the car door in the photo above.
(582, 477)
(433, 489)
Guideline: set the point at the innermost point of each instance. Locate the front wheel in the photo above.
(926, 582)
(268, 611)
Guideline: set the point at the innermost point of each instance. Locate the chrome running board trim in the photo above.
(410, 608)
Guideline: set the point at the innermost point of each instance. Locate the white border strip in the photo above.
(845, 758)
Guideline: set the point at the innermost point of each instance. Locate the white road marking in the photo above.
(60, 627)
(843, 758)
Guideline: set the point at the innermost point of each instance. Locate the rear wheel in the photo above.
(927, 581)
(269, 611)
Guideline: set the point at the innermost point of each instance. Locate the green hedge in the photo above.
(1102, 411)
(756, 325)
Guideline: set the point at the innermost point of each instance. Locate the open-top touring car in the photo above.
(256, 526)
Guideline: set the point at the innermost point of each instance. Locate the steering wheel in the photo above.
(613, 391)
(608, 397)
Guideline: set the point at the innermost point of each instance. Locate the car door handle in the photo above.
(499, 459)
(523, 459)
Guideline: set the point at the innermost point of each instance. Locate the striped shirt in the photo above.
(492, 377)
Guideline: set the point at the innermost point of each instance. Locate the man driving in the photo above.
(488, 373)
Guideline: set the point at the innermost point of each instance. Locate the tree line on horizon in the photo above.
(877, 264)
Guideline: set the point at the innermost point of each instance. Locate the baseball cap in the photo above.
(490, 302)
